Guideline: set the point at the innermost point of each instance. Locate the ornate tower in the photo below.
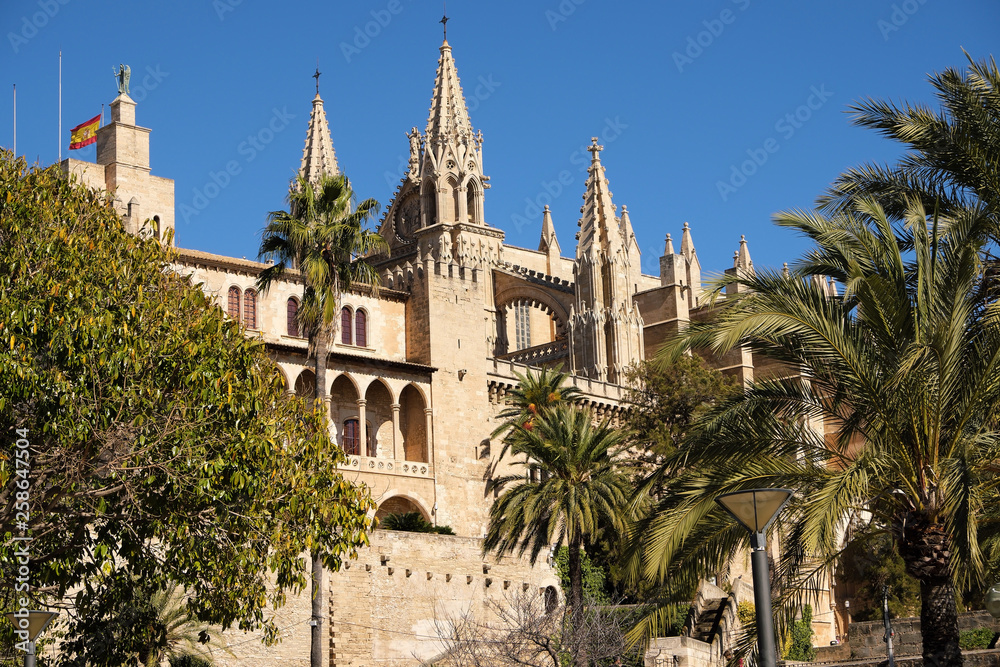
(605, 329)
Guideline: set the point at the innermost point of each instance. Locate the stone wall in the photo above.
(422, 583)
(867, 638)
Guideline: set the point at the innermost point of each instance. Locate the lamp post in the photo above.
(993, 606)
(756, 510)
(36, 621)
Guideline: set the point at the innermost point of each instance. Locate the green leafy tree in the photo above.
(902, 367)
(871, 565)
(323, 236)
(665, 399)
(414, 522)
(155, 439)
(801, 647)
(568, 488)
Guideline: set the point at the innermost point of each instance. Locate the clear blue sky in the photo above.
(682, 94)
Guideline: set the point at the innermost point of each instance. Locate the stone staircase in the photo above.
(706, 623)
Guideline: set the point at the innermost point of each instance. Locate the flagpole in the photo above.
(60, 106)
(15, 120)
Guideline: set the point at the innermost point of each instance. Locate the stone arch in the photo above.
(546, 318)
(401, 504)
(551, 599)
(344, 395)
(452, 199)
(413, 424)
(284, 378)
(378, 414)
(305, 384)
(474, 200)
(428, 195)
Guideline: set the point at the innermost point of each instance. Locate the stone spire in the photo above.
(687, 243)
(605, 326)
(451, 165)
(449, 117)
(743, 261)
(548, 243)
(668, 248)
(318, 157)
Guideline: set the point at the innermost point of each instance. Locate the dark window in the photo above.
(250, 309)
(370, 442)
(293, 318)
(346, 321)
(361, 328)
(234, 302)
(352, 437)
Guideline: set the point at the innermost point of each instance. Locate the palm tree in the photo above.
(903, 369)
(570, 490)
(953, 157)
(534, 394)
(175, 632)
(322, 235)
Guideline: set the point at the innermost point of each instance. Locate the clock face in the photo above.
(408, 217)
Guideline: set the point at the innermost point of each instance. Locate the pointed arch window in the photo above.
(346, 325)
(292, 318)
(234, 302)
(361, 329)
(250, 309)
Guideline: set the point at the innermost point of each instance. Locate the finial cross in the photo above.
(316, 76)
(444, 22)
(594, 148)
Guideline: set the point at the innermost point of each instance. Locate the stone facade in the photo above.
(422, 363)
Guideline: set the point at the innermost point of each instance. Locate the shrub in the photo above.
(978, 638)
(414, 522)
(801, 647)
(746, 612)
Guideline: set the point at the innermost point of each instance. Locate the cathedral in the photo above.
(421, 363)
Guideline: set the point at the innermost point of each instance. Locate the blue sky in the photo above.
(682, 94)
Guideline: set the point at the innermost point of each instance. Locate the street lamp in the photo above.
(756, 510)
(36, 622)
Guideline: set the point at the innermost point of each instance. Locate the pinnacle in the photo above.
(449, 116)
(318, 157)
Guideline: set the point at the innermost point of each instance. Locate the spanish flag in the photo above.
(85, 133)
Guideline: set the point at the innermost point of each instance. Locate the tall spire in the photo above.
(449, 117)
(598, 211)
(318, 157)
(605, 330)
(743, 261)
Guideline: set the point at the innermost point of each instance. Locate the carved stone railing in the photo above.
(539, 354)
(373, 464)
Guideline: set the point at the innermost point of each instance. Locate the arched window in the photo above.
(361, 329)
(293, 318)
(234, 302)
(346, 322)
(352, 437)
(156, 227)
(250, 309)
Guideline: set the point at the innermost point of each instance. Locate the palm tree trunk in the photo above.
(316, 636)
(939, 623)
(926, 549)
(576, 598)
